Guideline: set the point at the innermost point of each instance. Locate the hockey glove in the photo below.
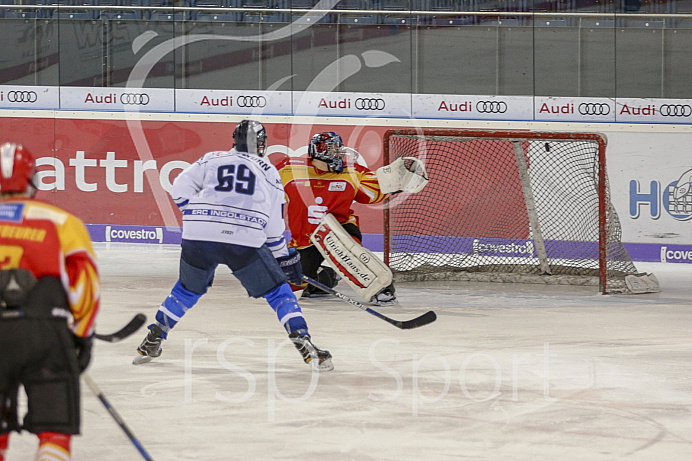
(403, 174)
(291, 266)
(83, 350)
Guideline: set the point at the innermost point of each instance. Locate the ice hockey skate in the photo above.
(317, 358)
(150, 347)
(326, 276)
(312, 292)
(386, 297)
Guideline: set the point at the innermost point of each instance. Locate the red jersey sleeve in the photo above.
(368, 186)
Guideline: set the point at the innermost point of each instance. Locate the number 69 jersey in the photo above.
(231, 197)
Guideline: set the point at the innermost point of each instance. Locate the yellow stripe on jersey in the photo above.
(79, 273)
(363, 180)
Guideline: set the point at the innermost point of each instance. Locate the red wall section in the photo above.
(102, 161)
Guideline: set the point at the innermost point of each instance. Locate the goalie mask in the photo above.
(329, 148)
(251, 137)
(17, 169)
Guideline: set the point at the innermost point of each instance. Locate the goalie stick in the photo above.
(132, 326)
(420, 321)
(99, 394)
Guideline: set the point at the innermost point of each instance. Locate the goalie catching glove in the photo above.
(405, 174)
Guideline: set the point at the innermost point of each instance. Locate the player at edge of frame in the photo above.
(49, 300)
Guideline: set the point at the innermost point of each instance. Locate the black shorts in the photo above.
(39, 355)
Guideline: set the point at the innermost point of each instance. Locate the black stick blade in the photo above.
(424, 319)
(428, 317)
(134, 325)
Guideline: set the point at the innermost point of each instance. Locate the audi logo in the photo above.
(491, 107)
(594, 108)
(676, 110)
(134, 99)
(251, 101)
(370, 104)
(22, 96)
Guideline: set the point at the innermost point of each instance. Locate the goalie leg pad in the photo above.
(359, 267)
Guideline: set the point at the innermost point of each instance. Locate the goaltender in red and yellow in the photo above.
(320, 191)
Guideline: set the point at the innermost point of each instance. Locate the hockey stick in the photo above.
(420, 321)
(134, 325)
(97, 392)
(131, 327)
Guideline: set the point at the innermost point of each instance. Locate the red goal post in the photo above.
(508, 206)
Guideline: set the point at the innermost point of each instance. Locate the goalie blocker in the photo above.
(362, 269)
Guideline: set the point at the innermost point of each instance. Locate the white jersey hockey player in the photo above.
(232, 197)
(232, 215)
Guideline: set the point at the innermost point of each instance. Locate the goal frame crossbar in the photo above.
(519, 135)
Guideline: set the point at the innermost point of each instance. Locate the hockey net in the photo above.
(509, 207)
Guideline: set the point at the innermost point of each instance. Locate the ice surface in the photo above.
(507, 372)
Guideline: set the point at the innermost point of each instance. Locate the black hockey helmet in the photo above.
(329, 148)
(251, 137)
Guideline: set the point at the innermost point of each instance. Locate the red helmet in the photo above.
(17, 169)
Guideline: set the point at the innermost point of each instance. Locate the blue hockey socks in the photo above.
(285, 304)
(174, 307)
